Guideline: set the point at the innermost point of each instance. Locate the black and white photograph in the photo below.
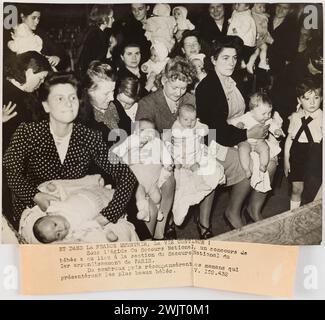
(162, 121)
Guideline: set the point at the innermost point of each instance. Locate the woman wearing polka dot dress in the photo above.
(61, 148)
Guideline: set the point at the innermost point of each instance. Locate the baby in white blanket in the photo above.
(151, 163)
(197, 172)
(76, 218)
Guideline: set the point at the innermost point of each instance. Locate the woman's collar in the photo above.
(17, 84)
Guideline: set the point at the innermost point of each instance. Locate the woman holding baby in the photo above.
(60, 147)
(218, 101)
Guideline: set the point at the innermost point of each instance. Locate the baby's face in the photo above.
(262, 113)
(259, 8)
(177, 14)
(241, 7)
(187, 119)
(198, 64)
(154, 57)
(311, 101)
(146, 131)
(54, 227)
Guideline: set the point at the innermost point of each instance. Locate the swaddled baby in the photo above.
(71, 217)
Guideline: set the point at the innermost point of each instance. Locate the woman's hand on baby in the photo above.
(101, 220)
(8, 111)
(258, 132)
(43, 200)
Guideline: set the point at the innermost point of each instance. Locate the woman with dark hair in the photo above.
(27, 37)
(24, 74)
(96, 41)
(130, 67)
(218, 100)
(61, 148)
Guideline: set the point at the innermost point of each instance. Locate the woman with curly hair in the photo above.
(161, 108)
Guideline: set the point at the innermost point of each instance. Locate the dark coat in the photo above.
(212, 109)
(208, 29)
(285, 45)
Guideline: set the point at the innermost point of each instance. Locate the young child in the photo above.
(197, 172)
(260, 107)
(151, 163)
(303, 146)
(24, 40)
(243, 25)
(161, 26)
(182, 23)
(157, 61)
(263, 38)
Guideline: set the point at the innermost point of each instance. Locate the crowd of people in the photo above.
(158, 112)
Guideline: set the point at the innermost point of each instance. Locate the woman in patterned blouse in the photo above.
(61, 148)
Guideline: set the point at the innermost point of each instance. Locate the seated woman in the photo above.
(61, 148)
(219, 100)
(161, 108)
(130, 67)
(108, 115)
(24, 74)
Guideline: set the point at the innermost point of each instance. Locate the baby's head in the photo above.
(145, 129)
(240, 7)
(198, 62)
(51, 228)
(159, 52)
(309, 95)
(179, 13)
(260, 106)
(161, 10)
(187, 116)
(259, 8)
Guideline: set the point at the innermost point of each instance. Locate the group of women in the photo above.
(58, 127)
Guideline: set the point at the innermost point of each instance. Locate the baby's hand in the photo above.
(101, 220)
(240, 125)
(144, 68)
(194, 167)
(278, 133)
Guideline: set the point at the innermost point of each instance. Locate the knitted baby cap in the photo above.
(183, 11)
(161, 10)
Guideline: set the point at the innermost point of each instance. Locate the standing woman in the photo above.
(284, 29)
(28, 37)
(213, 25)
(218, 100)
(95, 44)
(133, 30)
(60, 147)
